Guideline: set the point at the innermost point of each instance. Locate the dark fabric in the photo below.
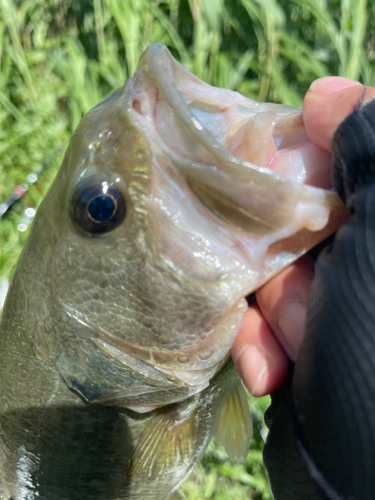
(322, 435)
(353, 149)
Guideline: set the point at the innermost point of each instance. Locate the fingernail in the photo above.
(253, 370)
(330, 84)
(291, 324)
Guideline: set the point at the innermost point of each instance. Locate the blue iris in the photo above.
(101, 208)
(98, 206)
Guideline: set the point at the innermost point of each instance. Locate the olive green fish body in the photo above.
(55, 446)
(174, 201)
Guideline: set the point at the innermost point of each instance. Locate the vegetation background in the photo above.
(58, 58)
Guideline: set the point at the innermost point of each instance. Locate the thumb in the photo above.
(327, 103)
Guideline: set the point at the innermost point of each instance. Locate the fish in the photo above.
(174, 201)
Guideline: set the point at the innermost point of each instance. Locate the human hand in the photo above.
(273, 328)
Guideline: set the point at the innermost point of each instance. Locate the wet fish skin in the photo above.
(69, 450)
(142, 317)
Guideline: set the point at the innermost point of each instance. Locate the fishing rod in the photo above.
(21, 189)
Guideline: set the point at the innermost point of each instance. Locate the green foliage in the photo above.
(58, 58)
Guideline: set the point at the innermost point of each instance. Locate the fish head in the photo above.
(174, 201)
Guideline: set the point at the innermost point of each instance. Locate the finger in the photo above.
(283, 302)
(327, 103)
(259, 358)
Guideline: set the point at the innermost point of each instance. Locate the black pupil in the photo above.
(101, 208)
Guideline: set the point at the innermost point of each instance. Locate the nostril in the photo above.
(137, 106)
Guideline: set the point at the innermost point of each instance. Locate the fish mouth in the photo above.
(249, 166)
(202, 130)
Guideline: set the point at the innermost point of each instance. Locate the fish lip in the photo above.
(159, 65)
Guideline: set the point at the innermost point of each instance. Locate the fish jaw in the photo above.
(237, 186)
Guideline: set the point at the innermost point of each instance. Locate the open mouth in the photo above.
(244, 160)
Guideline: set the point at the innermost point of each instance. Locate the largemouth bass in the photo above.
(174, 201)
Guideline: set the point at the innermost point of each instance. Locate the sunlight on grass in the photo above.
(59, 58)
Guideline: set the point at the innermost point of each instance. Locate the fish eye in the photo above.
(98, 207)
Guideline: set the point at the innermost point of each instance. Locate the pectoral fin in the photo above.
(165, 446)
(234, 428)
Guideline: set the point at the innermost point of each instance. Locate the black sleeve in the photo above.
(321, 443)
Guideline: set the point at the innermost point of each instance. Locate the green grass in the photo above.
(58, 58)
